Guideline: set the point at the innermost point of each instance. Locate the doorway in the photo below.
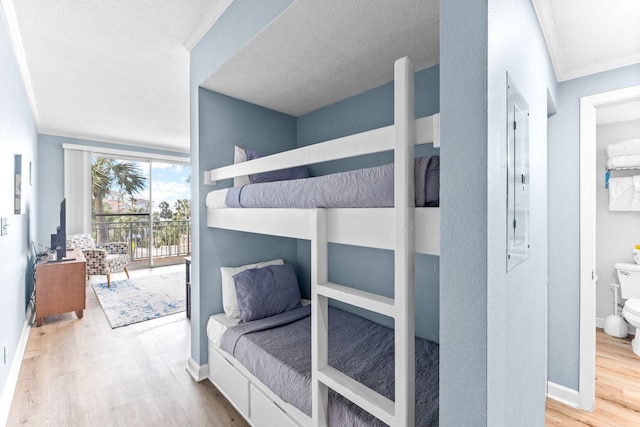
(588, 277)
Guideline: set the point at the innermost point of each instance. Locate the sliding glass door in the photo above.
(146, 204)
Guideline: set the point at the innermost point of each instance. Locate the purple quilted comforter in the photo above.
(361, 188)
(277, 350)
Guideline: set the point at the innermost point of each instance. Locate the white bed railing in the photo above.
(355, 226)
(373, 141)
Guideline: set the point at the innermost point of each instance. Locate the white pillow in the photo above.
(229, 297)
(239, 156)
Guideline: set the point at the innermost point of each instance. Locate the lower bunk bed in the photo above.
(264, 367)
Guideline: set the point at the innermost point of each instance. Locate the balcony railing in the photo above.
(167, 239)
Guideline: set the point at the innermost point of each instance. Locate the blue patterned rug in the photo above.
(143, 298)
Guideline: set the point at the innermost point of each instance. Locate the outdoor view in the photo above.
(145, 204)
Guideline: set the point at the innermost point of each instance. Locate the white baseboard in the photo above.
(197, 372)
(563, 394)
(14, 371)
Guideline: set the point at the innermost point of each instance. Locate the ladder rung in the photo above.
(358, 298)
(366, 398)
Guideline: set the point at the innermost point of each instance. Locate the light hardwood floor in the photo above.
(80, 372)
(617, 389)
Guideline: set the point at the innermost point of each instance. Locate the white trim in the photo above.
(216, 13)
(547, 24)
(197, 372)
(562, 394)
(426, 130)
(153, 145)
(587, 254)
(126, 153)
(369, 227)
(18, 47)
(588, 105)
(14, 371)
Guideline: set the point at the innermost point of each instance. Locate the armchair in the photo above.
(101, 260)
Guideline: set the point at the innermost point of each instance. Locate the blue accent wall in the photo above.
(366, 268)
(564, 218)
(463, 213)
(18, 135)
(225, 122)
(242, 20)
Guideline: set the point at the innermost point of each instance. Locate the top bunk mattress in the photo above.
(361, 188)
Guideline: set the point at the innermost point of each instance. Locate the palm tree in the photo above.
(107, 174)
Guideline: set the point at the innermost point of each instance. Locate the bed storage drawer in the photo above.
(265, 413)
(230, 381)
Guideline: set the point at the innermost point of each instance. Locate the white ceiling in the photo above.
(117, 70)
(620, 112)
(318, 52)
(114, 71)
(589, 36)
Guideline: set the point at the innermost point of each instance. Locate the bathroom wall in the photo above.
(617, 232)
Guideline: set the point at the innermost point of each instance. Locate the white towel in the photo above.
(621, 193)
(635, 204)
(624, 148)
(631, 161)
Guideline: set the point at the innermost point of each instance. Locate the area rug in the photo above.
(143, 298)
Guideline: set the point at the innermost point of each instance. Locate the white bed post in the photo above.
(319, 318)
(404, 118)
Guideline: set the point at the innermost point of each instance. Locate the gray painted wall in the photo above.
(18, 135)
(493, 335)
(616, 232)
(564, 215)
(517, 300)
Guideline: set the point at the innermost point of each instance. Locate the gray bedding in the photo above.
(277, 350)
(362, 188)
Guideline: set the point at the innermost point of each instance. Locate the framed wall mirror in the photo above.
(517, 176)
(17, 200)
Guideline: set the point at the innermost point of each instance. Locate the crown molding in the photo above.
(206, 25)
(547, 24)
(18, 47)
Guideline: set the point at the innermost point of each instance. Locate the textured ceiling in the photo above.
(589, 36)
(115, 71)
(318, 52)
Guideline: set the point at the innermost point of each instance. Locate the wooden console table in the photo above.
(61, 286)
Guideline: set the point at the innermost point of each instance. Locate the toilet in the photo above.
(629, 277)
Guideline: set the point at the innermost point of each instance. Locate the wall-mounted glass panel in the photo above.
(517, 176)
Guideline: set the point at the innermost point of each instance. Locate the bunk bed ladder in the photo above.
(401, 308)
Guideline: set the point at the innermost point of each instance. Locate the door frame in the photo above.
(588, 179)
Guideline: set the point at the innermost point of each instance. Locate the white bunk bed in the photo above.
(404, 229)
